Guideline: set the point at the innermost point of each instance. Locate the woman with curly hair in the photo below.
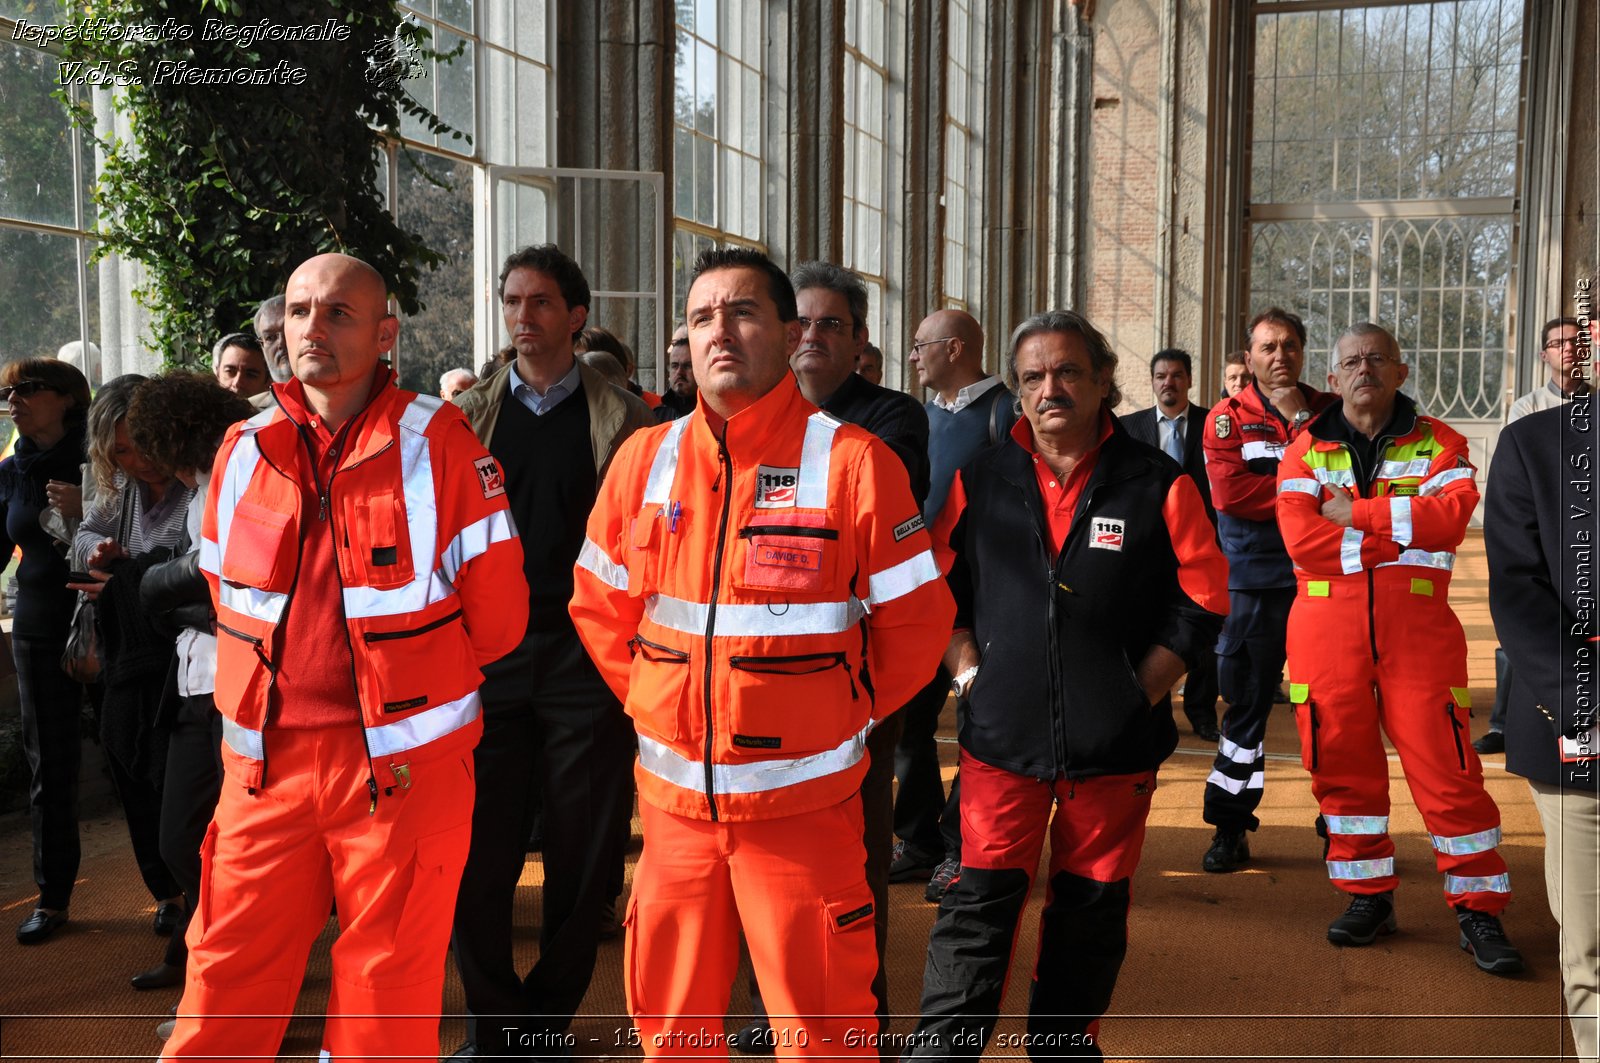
(176, 421)
(47, 402)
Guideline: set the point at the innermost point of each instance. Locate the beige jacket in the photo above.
(614, 414)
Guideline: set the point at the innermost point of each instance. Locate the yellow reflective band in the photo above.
(1423, 587)
(1462, 696)
(1299, 693)
(1316, 588)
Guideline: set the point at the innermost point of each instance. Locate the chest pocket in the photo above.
(377, 542)
(643, 541)
(263, 545)
(796, 551)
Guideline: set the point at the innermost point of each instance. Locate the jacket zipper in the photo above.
(787, 529)
(369, 637)
(835, 660)
(724, 465)
(668, 655)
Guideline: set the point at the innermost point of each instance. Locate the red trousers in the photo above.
(798, 888)
(1415, 691)
(273, 863)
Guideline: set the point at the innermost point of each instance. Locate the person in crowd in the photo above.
(453, 382)
(606, 365)
(176, 421)
(832, 303)
(554, 736)
(136, 521)
(240, 365)
(679, 398)
(970, 410)
(1560, 349)
(1235, 373)
(1542, 477)
(1245, 435)
(48, 400)
(1177, 426)
(597, 340)
(870, 364)
(363, 567)
(753, 557)
(1373, 501)
(268, 325)
(1068, 686)
(84, 358)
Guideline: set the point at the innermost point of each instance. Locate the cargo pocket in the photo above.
(1306, 722)
(849, 953)
(642, 550)
(794, 703)
(200, 921)
(435, 879)
(658, 684)
(1456, 709)
(406, 663)
(795, 552)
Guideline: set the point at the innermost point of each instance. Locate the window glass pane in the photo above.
(440, 336)
(38, 274)
(35, 140)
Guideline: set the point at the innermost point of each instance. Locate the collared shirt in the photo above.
(526, 394)
(967, 395)
(1165, 426)
(1061, 497)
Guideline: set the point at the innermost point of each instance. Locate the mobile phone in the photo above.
(80, 577)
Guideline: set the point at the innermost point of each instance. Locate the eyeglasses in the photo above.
(918, 344)
(1557, 344)
(828, 326)
(1356, 361)
(26, 389)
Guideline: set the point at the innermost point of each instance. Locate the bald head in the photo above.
(336, 325)
(947, 352)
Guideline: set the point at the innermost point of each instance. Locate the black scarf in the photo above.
(31, 466)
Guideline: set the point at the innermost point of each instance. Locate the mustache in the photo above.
(1046, 405)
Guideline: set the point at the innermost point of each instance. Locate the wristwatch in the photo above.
(1298, 421)
(963, 682)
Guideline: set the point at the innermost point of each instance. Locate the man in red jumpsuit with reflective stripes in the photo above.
(1373, 500)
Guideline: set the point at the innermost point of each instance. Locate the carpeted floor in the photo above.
(1219, 966)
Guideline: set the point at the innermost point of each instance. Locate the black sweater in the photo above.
(44, 604)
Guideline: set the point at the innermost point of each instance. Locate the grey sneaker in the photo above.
(947, 874)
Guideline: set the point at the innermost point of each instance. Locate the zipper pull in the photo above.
(372, 792)
(323, 515)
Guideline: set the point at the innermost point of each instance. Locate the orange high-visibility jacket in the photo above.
(757, 602)
(430, 572)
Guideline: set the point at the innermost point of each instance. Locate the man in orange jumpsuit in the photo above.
(757, 586)
(363, 566)
(1373, 500)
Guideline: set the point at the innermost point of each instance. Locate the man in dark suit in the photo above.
(1174, 425)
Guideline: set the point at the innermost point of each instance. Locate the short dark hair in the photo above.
(1237, 358)
(834, 278)
(1102, 359)
(246, 340)
(1553, 324)
(1173, 354)
(553, 263)
(61, 376)
(778, 286)
(595, 338)
(1282, 317)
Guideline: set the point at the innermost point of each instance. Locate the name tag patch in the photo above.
(786, 556)
(1105, 533)
(907, 527)
(490, 478)
(776, 487)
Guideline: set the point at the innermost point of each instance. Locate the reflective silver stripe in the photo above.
(1466, 844)
(1257, 448)
(1257, 781)
(816, 455)
(429, 589)
(242, 463)
(902, 579)
(593, 560)
(210, 557)
(261, 605)
(1239, 754)
(1350, 551)
(1434, 484)
(1304, 486)
(475, 539)
(243, 741)
(1359, 869)
(664, 466)
(757, 777)
(1444, 559)
(1394, 470)
(1400, 519)
(427, 726)
(1338, 477)
(823, 618)
(1477, 883)
(1357, 824)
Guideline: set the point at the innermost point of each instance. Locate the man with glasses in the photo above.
(679, 398)
(1373, 500)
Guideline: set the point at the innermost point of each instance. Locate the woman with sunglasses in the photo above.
(47, 401)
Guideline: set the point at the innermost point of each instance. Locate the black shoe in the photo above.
(1491, 742)
(161, 976)
(753, 1039)
(1484, 937)
(164, 1029)
(1228, 851)
(40, 925)
(1204, 727)
(1369, 915)
(947, 874)
(910, 864)
(468, 1050)
(169, 916)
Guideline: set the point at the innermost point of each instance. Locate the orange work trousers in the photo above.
(272, 864)
(798, 887)
(1394, 658)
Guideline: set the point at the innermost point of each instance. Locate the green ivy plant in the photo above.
(243, 153)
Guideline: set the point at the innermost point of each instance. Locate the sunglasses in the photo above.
(26, 389)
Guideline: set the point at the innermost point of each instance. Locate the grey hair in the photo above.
(834, 278)
(1365, 328)
(450, 374)
(1102, 359)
